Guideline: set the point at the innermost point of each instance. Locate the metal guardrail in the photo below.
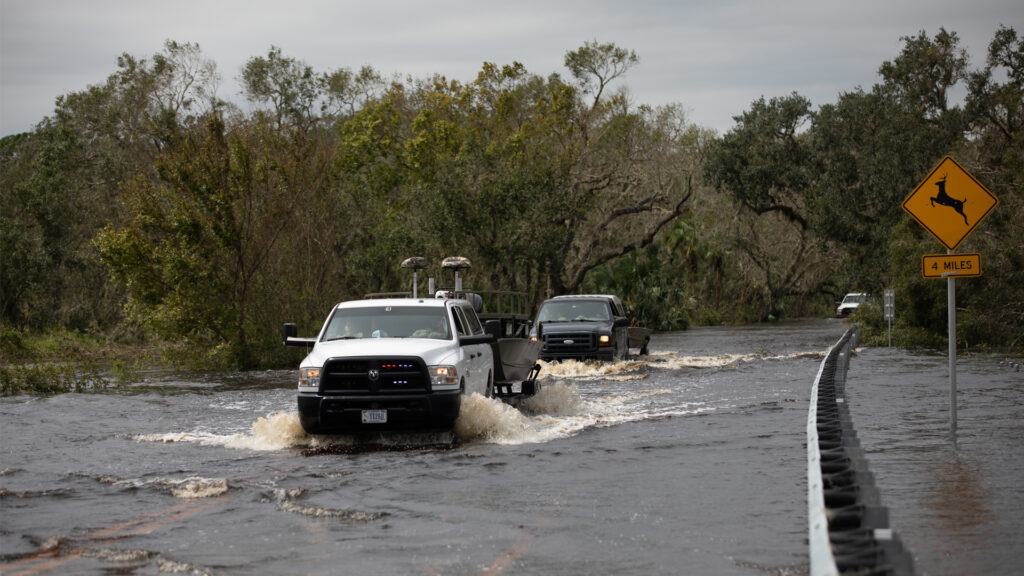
(848, 529)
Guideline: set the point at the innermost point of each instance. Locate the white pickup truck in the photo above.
(392, 363)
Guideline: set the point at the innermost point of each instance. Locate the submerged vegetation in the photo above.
(147, 210)
(60, 361)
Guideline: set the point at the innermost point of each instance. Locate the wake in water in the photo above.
(480, 419)
(557, 411)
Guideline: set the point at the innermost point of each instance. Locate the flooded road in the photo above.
(691, 460)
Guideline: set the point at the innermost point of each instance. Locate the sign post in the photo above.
(951, 305)
(958, 205)
(890, 310)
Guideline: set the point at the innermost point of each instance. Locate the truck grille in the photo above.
(569, 342)
(384, 375)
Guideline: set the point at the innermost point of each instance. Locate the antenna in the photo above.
(416, 263)
(456, 263)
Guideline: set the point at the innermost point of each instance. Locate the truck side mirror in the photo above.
(289, 330)
(621, 322)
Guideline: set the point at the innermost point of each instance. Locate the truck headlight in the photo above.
(443, 376)
(604, 340)
(309, 378)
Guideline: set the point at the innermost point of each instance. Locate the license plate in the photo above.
(375, 416)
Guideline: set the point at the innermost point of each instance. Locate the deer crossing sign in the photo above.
(950, 203)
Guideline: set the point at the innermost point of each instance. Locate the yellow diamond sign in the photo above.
(950, 203)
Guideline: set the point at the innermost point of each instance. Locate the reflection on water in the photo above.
(959, 504)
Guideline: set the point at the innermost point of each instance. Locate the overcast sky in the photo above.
(712, 56)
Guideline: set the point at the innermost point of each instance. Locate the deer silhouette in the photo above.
(947, 200)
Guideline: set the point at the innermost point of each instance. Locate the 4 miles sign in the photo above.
(951, 265)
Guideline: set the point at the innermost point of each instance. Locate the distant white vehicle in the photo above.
(850, 303)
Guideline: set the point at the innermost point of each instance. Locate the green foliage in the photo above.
(595, 65)
(764, 161)
(196, 252)
(60, 185)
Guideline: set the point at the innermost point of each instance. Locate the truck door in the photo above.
(621, 332)
(480, 355)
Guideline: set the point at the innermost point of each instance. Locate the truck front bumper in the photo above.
(327, 414)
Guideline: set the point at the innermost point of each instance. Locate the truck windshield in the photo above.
(388, 322)
(581, 311)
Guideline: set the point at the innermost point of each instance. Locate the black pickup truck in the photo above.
(587, 326)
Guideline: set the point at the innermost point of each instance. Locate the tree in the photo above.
(290, 88)
(995, 155)
(629, 171)
(872, 148)
(347, 92)
(996, 109)
(869, 152)
(595, 66)
(765, 161)
(923, 74)
(631, 184)
(195, 253)
(766, 165)
(518, 173)
(60, 184)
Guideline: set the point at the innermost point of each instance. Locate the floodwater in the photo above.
(956, 500)
(689, 461)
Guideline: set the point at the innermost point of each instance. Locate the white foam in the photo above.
(588, 370)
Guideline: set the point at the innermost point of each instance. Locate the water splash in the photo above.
(577, 369)
(274, 432)
(557, 400)
(485, 418)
